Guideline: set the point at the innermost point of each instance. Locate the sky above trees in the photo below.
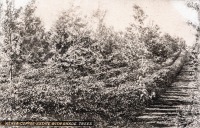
(170, 15)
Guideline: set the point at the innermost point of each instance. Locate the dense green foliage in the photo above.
(75, 72)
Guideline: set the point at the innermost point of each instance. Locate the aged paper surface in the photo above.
(99, 63)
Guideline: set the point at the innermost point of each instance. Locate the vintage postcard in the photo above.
(100, 63)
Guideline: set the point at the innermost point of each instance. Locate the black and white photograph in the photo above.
(100, 63)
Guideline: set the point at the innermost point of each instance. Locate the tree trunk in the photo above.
(11, 73)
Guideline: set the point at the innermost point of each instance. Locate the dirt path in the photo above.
(177, 107)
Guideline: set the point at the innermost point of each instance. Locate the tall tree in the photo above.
(31, 23)
(34, 46)
(68, 30)
(10, 30)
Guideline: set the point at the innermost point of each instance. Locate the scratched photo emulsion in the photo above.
(100, 63)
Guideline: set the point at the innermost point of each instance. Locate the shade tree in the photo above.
(10, 31)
